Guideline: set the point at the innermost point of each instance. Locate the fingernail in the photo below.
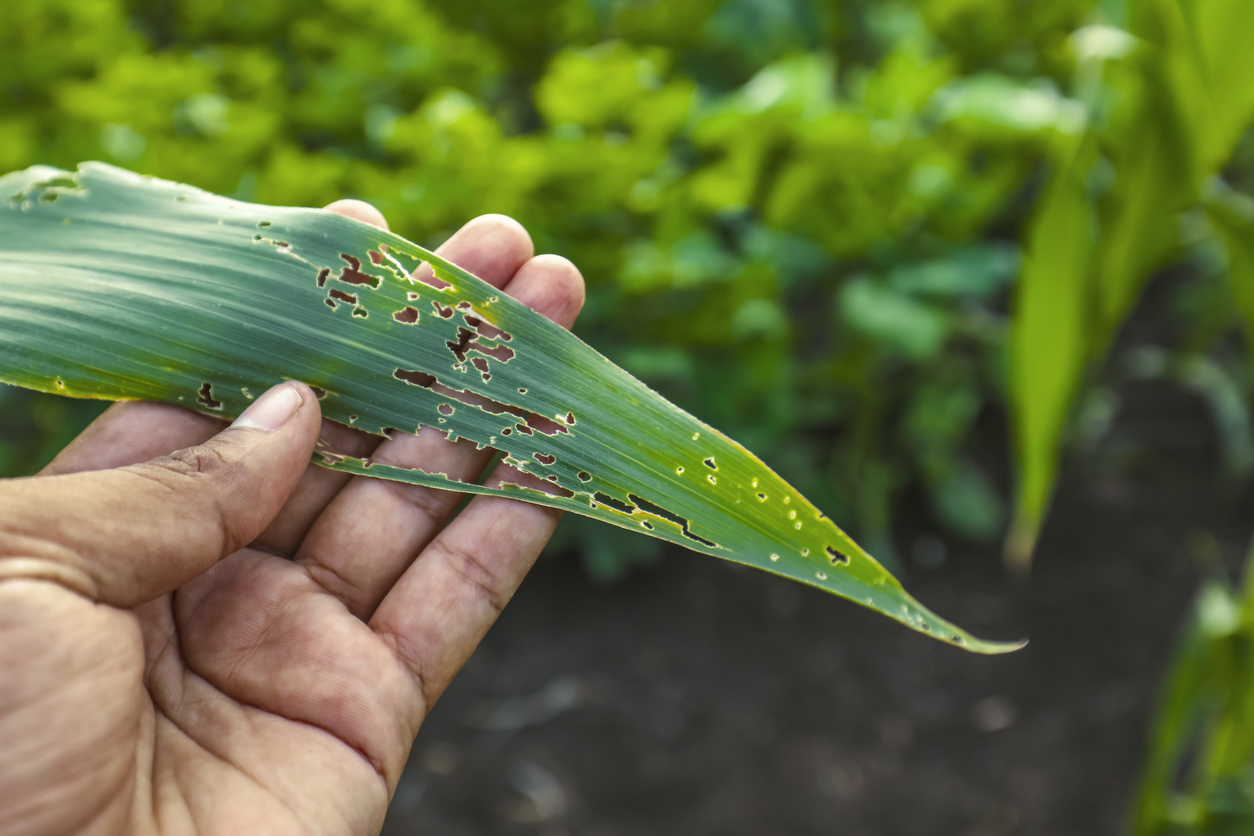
(271, 410)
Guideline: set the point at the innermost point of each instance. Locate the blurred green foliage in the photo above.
(1199, 771)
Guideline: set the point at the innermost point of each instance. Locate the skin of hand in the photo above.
(202, 633)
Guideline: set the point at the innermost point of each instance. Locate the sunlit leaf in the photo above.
(1049, 344)
(118, 286)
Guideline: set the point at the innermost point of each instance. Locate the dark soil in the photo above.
(700, 698)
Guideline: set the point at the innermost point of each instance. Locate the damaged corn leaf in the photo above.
(118, 286)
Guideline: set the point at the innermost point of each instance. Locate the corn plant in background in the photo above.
(1167, 101)
(1199, 772)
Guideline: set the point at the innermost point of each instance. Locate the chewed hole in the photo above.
(679, 470)
(445, 409)
(710, 463)
(713, 479)
(821, 575)
(835, 556)
(407, 315)
(774, 558)
(205, 397)
(544, 458)
(761, 497)
(584, 476)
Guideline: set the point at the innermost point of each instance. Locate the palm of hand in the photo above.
(277, 689)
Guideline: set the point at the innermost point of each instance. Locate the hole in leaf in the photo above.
(659, 511)
(445, 409)
(447, 313)
(336, 293)
(836, 557)
(545, 425)
(487, 330)
(205, 397)
(425, 275)
(361, 312)
(584, 476)
(710, 463)
(406, 315)
(544, 458)
(322, 276)
(318, 393)
(352, 273)
(415, 378)
(616, 504)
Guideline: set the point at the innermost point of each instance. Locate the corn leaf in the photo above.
(123, 287)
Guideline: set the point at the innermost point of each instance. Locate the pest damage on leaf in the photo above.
(205, 397)
(224, 309)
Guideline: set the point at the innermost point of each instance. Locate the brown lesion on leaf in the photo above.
(407, 315)
(205, 397)
(836, 557)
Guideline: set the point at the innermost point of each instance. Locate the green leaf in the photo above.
(119, 286)
(1049, 343)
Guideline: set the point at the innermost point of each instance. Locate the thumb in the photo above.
(128, 535)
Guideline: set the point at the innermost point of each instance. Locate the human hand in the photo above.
(202, 633)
